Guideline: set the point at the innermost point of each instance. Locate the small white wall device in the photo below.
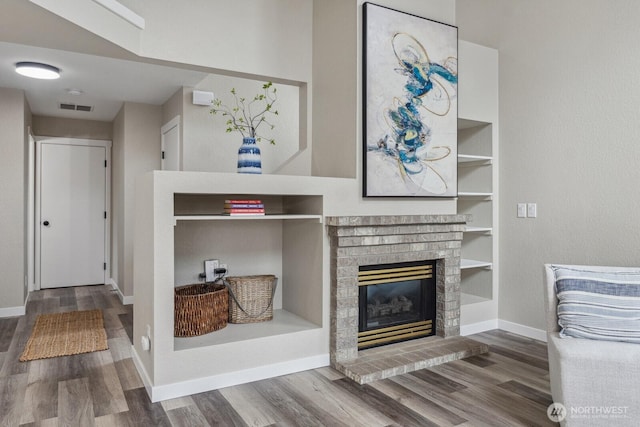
(202, 98)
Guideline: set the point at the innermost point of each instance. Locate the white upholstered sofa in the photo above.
(596, 380)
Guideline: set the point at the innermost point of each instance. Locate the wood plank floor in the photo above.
(509, 386)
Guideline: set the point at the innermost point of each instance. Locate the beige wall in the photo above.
(207, 147)
(335, 95)
(13, 114)
(117, 199)
(140, 152)
(245, 37)
(173, 106)
(569, 97)
(28, 123)
(72, 128)
(268, 38)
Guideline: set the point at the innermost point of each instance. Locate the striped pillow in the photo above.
(598, 305)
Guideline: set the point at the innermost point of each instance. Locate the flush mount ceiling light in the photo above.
(37, 70)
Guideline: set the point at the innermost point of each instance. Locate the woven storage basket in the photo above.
(251, 298)
(200, 309)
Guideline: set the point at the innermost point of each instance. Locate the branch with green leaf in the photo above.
(247, 117)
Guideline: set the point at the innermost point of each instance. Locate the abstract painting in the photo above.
(410, 105)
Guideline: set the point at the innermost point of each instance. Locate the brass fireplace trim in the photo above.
(398, 274)
(394, 333)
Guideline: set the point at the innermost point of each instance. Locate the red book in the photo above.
(243, 202)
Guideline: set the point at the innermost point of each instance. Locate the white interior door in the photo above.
(72, 214)
(170, 142)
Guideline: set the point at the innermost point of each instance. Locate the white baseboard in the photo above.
(143, 372)
(476, 328)
(15, 311)
(516, 328)
(214, 382)
(125, 300)
(12, 311)
(526, 331)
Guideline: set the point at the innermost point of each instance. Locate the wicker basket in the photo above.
(251, 298)
(200, 309)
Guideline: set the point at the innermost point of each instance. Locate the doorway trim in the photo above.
(173, 123)
(31, 195)
(39, 140)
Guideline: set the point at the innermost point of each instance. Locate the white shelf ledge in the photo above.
(470, 229)
(283, 322)
(468, 123)
(471, 263)
(487, 196)
(470, 160)
(176, 218)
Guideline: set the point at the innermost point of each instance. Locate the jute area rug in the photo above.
(65, 334)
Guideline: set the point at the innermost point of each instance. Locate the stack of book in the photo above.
(243, 207)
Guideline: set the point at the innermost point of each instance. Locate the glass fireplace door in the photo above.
(396, 302)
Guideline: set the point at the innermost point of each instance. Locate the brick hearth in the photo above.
(370, 240)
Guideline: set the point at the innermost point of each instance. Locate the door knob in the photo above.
(46, 223)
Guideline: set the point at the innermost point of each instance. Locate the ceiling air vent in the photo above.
(74, 107)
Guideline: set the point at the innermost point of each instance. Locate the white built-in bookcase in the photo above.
(478, 182)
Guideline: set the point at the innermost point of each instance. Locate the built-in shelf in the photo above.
(469, 124)
(470, 229)
(487, 196)
(472, 160)
(317, 218)
(471, 263)
(479, 190)
(284, 322)
(181, 224)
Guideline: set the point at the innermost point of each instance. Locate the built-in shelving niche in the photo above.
(477, 198)
(286, 242)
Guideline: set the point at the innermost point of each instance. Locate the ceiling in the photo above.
(105, 82)
(106, 74)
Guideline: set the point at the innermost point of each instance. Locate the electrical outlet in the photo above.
(210, 266)
(145, 343)
(145, 340)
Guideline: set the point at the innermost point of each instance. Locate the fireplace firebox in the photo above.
(397, 302)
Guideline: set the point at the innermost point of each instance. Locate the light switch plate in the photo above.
(532, 210)
(522, 210)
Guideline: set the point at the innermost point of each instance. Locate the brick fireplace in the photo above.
(369, 240)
